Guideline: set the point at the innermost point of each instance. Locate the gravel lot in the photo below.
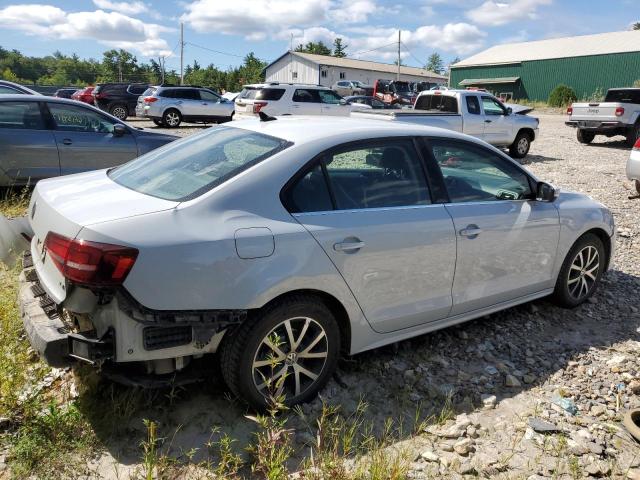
(510, 376)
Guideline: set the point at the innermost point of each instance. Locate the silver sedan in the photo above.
(283, 243)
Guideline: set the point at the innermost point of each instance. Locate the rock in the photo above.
(541, 426)
(463, 447)
(598, 410)
(511, 381)
(529, 378)
(454, 431)
(577, 448)
(463, 420)
(472, 432)
(634, 387)
(446, 447)
(430, 456)
(598, 469)
(410, 376)
(489, 401)
(633, 474)
(491, 370)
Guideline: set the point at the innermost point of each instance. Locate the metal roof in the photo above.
(486, 81)
(347, 62)
(598, 44)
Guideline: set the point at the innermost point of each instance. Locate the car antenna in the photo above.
(265, 118)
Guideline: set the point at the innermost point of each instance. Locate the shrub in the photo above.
(561, 96)
(636, 83)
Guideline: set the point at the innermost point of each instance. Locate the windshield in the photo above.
(249, 93)
(401, 87)
(185, 169)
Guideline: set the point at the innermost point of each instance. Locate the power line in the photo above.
(214, 51)
(410, 53)
(374, 49)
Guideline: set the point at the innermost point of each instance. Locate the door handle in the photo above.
(472, 231)
(488, 121)
(67, 141)
(295, 106)
(347, 246)
(205, 103)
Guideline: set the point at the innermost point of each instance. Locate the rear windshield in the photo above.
(187, 168)
(149, 91)
(269, 94)
(437, 103)
(623, 96)
(401, 87)
(248, 93)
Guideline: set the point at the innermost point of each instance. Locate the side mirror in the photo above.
(224, 100)
(119, 130)
(545, 192)
(509, 110)
(343, 101)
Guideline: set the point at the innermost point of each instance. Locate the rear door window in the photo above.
(304, 95)
(309, 194)
(272, 94)
(72, 118)
(210, 96)
(473, 105)
(24, 115)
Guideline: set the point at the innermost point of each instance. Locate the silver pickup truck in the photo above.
(472, 112)
(619, 114)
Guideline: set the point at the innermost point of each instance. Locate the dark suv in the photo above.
(119, 99)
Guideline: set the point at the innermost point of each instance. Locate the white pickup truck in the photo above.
(619, 114)
(472, 112)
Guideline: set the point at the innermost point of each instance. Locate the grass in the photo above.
(14, 202)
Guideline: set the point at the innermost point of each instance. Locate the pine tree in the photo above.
(339, 50)
(435, 63)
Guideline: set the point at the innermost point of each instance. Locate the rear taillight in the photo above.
(619, 111)
(569, 110)
(257, 106)
(636, 146)
(90, 263)
(150, 99)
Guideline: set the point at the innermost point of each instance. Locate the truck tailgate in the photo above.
(603, 112)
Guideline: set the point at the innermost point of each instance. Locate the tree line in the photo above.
(121, 65)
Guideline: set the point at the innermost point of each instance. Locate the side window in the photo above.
(473, 106)
(8, 90)
(473, 174)
(207, 95)
(71, 118)
(137, 89)
(306, 96)
(343, 75)
(309, 194)
(189, 94)
(25, 115)
(329, 96)
(381, 174)
(492, 107)
(323, 73)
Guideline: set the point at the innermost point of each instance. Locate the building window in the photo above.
(323, 74)
(294, 75)
(342, 75)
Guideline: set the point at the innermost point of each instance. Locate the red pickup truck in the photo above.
(394, 92)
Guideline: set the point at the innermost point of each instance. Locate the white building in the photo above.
(325, 70)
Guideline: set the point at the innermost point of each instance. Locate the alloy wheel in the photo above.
(523, 145)
(119, 113)
(583, 272)
(172, 119)
(290, 358)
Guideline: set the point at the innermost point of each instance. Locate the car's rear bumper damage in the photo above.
(127, 341)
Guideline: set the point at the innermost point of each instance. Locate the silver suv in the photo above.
(170, 106)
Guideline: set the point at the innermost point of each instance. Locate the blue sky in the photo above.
(236, 27)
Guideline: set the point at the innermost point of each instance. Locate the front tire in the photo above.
(172, 118)
(581, 272)
(286, 351)
(585, 137)
(520, 146)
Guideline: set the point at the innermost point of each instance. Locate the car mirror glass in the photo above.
(545, 192)
(119, 130)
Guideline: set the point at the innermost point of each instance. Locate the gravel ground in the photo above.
(537, 391)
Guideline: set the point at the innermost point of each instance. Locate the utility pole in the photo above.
(161, 61)
(399, 31)
(181, 53)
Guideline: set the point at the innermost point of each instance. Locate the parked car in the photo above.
(42, 137)
(12, 88)
(475, 113)
(230, 95)
(170, 106)
(394, 91)
(633, 166)
(84, 95)
(65, 92)
(281, 243)
(347, 87)
(290, 99)
(619, 114)
(373, 102)
(118, 99)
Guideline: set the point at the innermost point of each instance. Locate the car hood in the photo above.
(155, 135)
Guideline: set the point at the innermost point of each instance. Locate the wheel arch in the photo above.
(332, 303)
(529, 131)
(604, 238)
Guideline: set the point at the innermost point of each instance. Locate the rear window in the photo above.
(269, 94)
(248, 93)
(149, 91)
(185, 169)
(437, 103)
(137, 89)
(623, 96)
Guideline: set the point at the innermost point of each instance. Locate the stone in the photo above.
(529, 378)
(491, 370)
(454, 431)
(541, 426)
(633, 474)
(446, 447)
(410, 376)
(489, 401)
(598, 410)
(598, 469)
(634, 387)
(463, 447)
(463, 420)
(511, 381)
(430, 456)
(577, 448)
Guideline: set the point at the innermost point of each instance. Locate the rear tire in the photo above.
(633, 135)
(585, 137)
(158, 123)
(254, 371)
(119, 111)
(172, 118)
(581, 272)
(637, 184)
(520, 146)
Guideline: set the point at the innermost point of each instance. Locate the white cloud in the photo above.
(109, 28)
(128, 8)
(349, 11)
(493, 13)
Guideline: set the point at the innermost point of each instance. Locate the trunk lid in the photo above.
(67, 204)
(601, 111)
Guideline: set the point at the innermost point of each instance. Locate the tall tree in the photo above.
(120, 65)
(339, 50)
(319, 48)
(636, 26)
(435, 63)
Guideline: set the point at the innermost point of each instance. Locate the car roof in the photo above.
(302, 129)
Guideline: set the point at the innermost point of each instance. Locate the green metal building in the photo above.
(530, 70)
